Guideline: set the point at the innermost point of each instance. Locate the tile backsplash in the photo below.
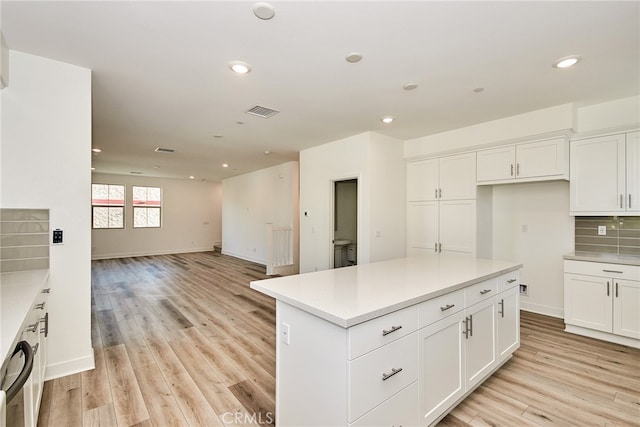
(24, 239)
(622, 234)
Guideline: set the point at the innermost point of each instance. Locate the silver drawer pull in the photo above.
(390, 331)
(32, 328)
(393, 372)
(447, 307)
(39, 306)
(511, 280)
(35, 348)
(612, 271)
(46, 291)
(486, 291)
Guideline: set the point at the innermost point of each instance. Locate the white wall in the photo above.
(46, 163)
(252, 200)
(377, 162)
(623, 113)
(542, 209)
(541, 122)
(191, 219)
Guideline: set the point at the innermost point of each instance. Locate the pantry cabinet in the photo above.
(605, 175)
(444, 178)
(532, 161)
(441, 226)
(603, 297)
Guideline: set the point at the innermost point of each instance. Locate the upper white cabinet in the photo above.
(444, 178)
(532, 161)
(605, 175)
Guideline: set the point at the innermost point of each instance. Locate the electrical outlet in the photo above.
(602, 230)
(284, 333)
(524, 289)
(56, 238)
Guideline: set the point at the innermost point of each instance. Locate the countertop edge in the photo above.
(352, 321)
(603, 258)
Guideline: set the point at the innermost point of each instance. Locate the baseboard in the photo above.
(604, 336)
(70, 367)
(151, 253)
(244, 257)
(542, 309)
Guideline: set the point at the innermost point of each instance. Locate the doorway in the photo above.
(345, 223)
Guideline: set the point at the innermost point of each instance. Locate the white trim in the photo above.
(542, 309)
(70, 367)
(605, 132)
(149, 253)
(246, 258)
(604, 336)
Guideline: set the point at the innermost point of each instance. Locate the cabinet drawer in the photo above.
(377, 332)
(378, 375)
(601, 269)
(508, 280)
(438, 308)
(480, 291)
(400, 410)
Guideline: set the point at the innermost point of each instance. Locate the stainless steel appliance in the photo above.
(14, 379)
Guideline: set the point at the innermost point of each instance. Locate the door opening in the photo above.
(345, 223)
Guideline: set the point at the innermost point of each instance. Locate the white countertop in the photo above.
(601, 257)
(351, 295)
(18, 291)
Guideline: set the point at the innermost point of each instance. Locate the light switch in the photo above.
(284, 333)
(602, 230)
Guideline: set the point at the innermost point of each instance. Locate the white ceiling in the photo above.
(161, 76)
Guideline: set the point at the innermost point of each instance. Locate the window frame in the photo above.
(145, 206)
(109, 206)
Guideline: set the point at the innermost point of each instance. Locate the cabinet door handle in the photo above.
(621, 201)
(436, 193)
(439, 193)
(466, 328)
(612, 271)
(485, 291)
(502, 307)
(386, 332)
(629, 205)
(447, 307)
(517, 169)
(435, 249)
(394, 371)
(511, 169)
(439, 247)
(471, 325)
(616, 289)
(511, 280)
(45, 330)
(607, 288)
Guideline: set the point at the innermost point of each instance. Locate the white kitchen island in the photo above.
(398, 342)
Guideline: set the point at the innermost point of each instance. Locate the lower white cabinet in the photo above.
(407, 368)
(602, 300)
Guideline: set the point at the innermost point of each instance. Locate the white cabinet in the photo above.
(480, 345)
(442, 362)
(605, 175)
(445, 178)
(605, 298)
(441, 226)
(507, 321)
(532, 161)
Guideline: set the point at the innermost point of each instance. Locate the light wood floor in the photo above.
(183, 340)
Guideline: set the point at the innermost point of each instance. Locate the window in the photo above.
(146, 207)
(107, 206)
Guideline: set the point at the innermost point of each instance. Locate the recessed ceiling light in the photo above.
(192, 177)
(567, 61)
(353, 57)
(479, 90)
(225, 165)
(164, 150)
(96, 150)
(264, 10)
(410, 86)
(217, 136)
(240, 123)
(387, 119)
(93, 169)
(267, 153)
(239, 67)
(156, 167)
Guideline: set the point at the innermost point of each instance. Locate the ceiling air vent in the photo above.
(164, 150)
(261, 111)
